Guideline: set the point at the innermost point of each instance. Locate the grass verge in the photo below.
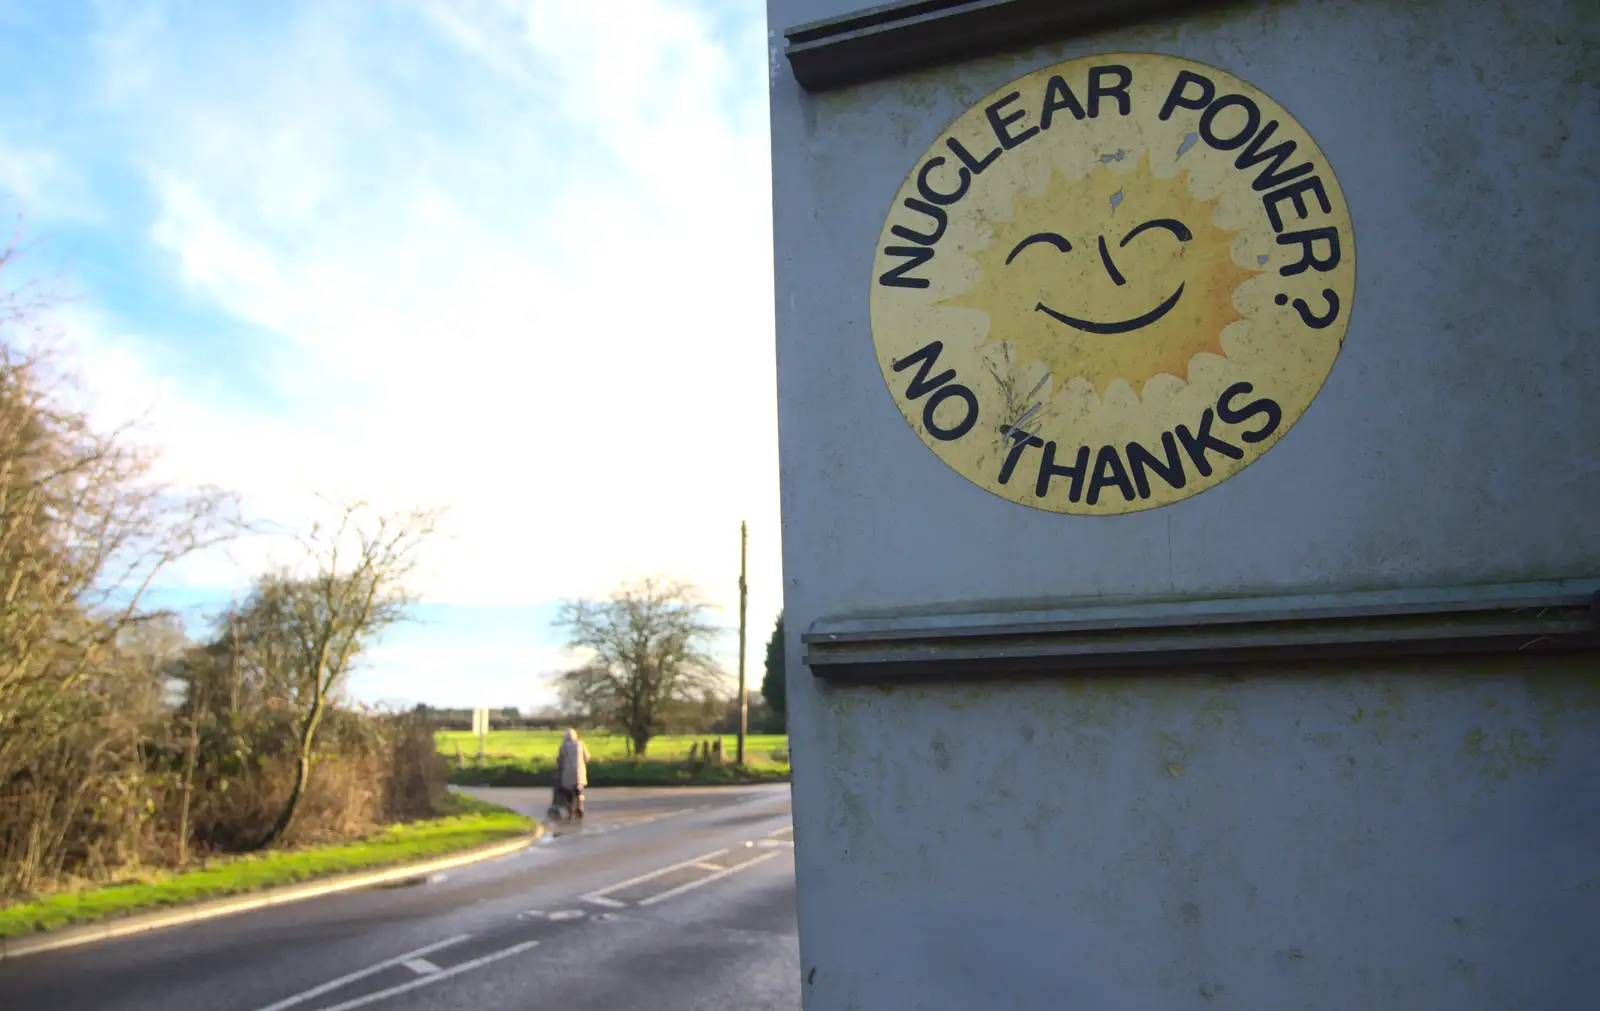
(474, 823)
(533, 772)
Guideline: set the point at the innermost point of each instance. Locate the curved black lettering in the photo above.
(1117, 88)
(962, 427)
(1208, 119)
(940, 221)
(1307, 241)
(924, 358)
(1274, 174)
(1170, 469)
(1001, 125)
(976, 165)
(1020, 441)
(1108, 470)
(1313, 320)
(1196, 444)
(1293, 193)
(1048, 468)
(924, 187)
(897, 277)
(1239, 415)
(1176, 98)
(1057, 96)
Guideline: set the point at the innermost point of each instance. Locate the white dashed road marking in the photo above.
(441, 975)
(722, 872)
(428, 972)
(334, 984)
(707, 863)
(601, 897)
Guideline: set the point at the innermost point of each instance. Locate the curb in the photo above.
(139, 923)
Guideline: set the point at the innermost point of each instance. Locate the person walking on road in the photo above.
(572, 771)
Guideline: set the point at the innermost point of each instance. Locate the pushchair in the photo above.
(565, 805)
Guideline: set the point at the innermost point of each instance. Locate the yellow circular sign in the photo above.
(1112, 284)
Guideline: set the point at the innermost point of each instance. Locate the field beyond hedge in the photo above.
(527, 758)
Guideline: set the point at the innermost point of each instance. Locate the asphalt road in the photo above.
(663, 899)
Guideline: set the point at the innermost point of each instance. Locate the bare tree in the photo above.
(85, 529)
(322, 623)
(649, 647)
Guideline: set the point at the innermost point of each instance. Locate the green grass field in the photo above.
(476, 825)
(541, 745)
(527, 758)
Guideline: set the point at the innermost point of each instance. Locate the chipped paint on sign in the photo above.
(1112, 284)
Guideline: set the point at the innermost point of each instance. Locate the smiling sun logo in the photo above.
(1132, 289)
(1111, 285)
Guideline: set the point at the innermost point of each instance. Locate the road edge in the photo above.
(139, 923)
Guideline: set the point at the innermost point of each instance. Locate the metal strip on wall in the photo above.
(1518, 618)
(910, 34)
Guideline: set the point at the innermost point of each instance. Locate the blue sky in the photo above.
(509, 258)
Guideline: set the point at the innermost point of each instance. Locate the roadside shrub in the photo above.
(370, 769)
(125, 745)
(94, 806)
(418, 774)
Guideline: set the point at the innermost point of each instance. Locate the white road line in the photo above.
(334, 984)
(443, 974)
(601, 900)
(641, 879)
(562, 915)
(691, 886)
(710, 867)
(420, 966)
(768, 844)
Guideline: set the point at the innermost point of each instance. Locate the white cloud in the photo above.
(494, 674)
(41, 186)
(521, 268)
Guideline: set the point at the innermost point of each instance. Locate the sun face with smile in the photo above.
(1122, 275)
(1094, 302)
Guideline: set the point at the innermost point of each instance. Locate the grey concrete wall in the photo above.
(1458, 427)
(1397, 838)
(1414, 839)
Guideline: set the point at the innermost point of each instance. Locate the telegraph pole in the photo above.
(744, 594)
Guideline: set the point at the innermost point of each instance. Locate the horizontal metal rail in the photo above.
(1169, 636)
(910, 34)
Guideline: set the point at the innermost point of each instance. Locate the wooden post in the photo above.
(744, 594)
